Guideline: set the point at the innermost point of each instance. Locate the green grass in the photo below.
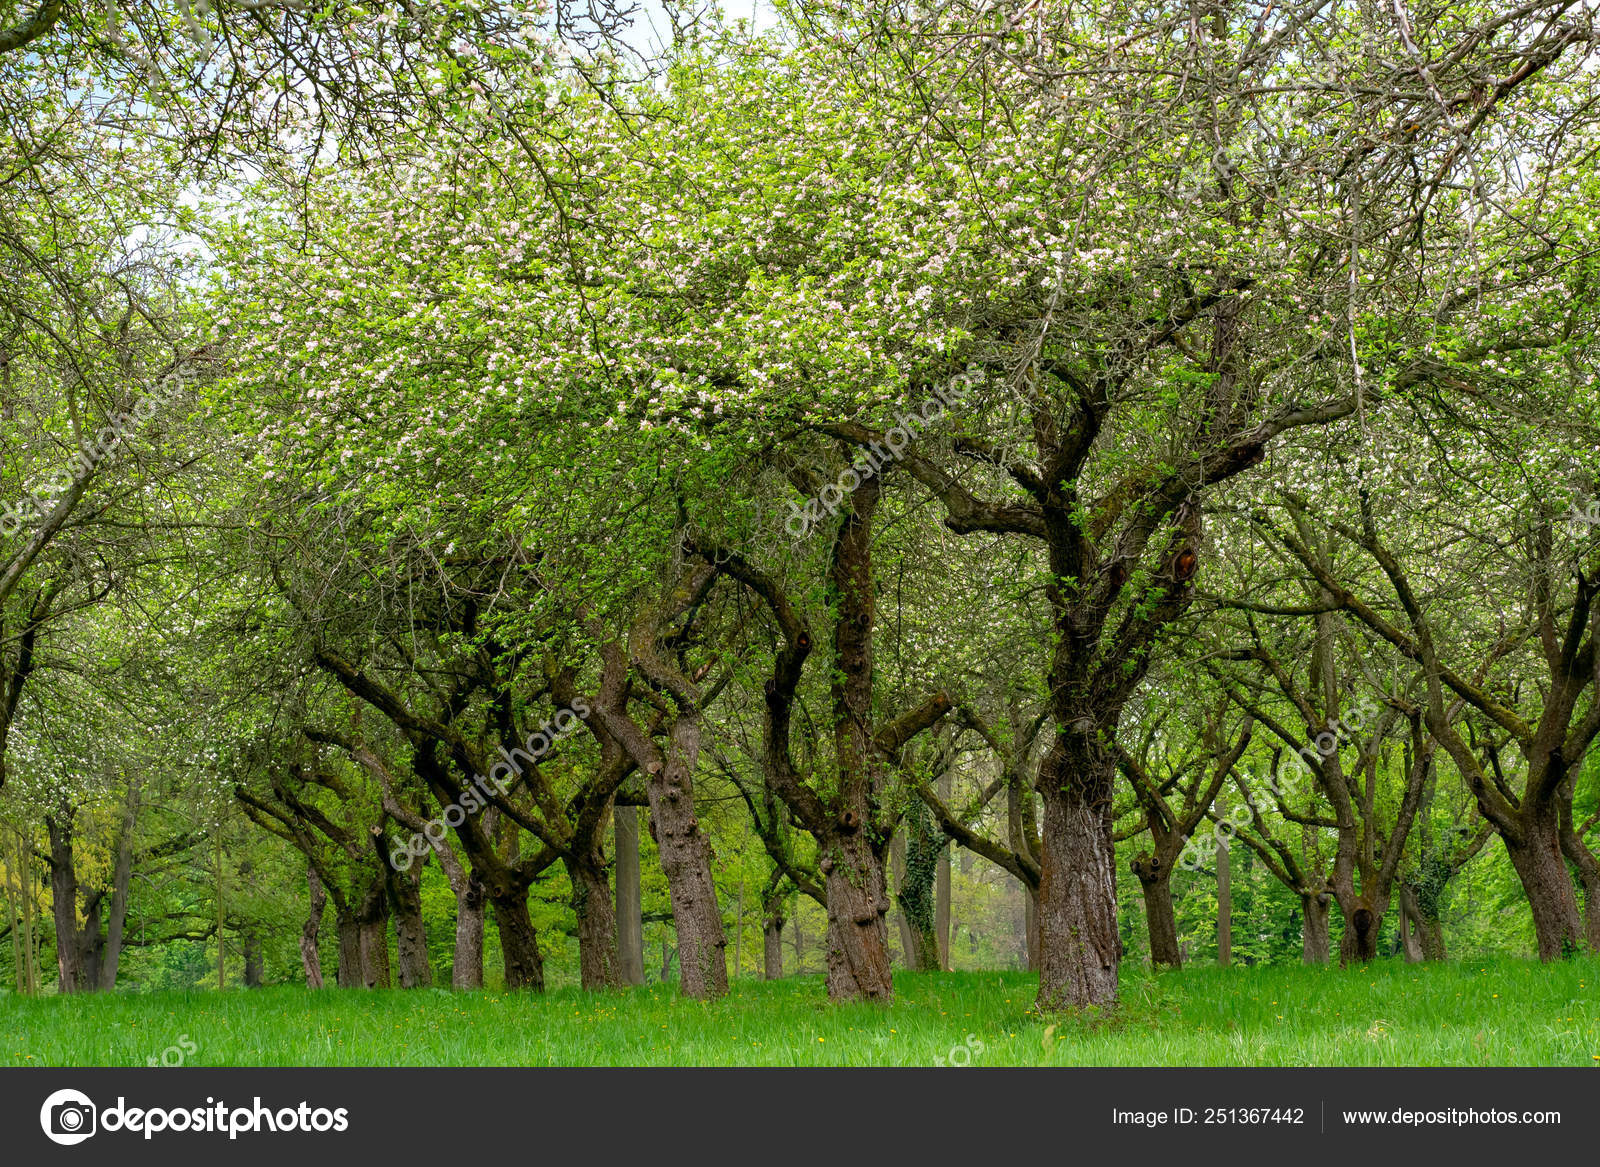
(1469, 1014)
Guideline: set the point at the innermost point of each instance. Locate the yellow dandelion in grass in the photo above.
(822, 1039)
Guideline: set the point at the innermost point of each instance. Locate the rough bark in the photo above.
(1080, 948)
(1315, 908)
(852, 840)
(1547, 883)
(349, 974)
(858, 908)
(466, 964)
(411, 940)
(597, 925)
(519, 941)
(373, 939)
(686, 860)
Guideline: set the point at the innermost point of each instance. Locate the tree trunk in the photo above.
(1588, 868)
(923, 857)
(738, 930)
(373, 940)
(858, 908)
(73, 965)
(403, 898)
(122, 875)
(772, 948)
(519, 941)
(1031, 922)
(1591, 912)
(799, 938)
(1423, 911)
(941, 883)
(254, 962)
(1224, 903)
(1409, 936)
(349, 974)
(411, 940)
(310, 956)
(1155, 880)
(597, 925)
(1079, 946)
(686, 860)
(1363, 921)
(13, 899)
(897, 878)
(466, 965)
(30, 941)
(630, 903)
(1547, 883)
(1315, 946)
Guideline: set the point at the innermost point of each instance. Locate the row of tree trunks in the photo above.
(852, 839)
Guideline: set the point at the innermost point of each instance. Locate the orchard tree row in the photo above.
(493, 474)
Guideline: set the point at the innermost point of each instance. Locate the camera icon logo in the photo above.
(68, 1117)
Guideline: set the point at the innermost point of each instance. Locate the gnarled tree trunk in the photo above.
(1155, 881)
(1080, 948)
(597, 925)
(519, 941)
(858, 909)
(686, 861)
(1315, 945)
(1545, 879)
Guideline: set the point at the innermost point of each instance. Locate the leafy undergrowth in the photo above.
(1459, 1014)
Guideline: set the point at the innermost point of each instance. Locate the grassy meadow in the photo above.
(1481, 1013)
